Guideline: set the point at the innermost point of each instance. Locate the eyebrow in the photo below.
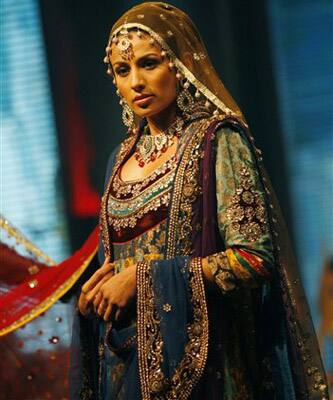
(138, 60)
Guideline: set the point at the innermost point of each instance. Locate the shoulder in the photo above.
(226, 126)
(233, 142)
(231, 134)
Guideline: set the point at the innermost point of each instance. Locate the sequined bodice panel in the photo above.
(134, 207)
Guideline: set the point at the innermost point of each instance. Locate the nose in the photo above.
(137, 81)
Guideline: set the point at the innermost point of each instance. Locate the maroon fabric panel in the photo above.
(144, 224)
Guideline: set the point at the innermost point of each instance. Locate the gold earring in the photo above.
(127, 114)
(185, 101)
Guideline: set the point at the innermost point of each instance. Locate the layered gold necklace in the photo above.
(150, 147)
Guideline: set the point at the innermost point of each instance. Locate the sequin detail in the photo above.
(246, 213)
(133, 188)
(126, 213)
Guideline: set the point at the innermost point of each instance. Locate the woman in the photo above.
(198, 295)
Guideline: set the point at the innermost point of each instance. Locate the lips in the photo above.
(142, 99)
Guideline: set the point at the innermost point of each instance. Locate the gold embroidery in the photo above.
(117, 371)
(150, 341)
(134, 188)
(123, 213)
(217, 261)
(154, 385)
(126, 146)
(246, 213)
(199, 56)
(167, 307)
(131, 219)
(185, 191)
(191, 367)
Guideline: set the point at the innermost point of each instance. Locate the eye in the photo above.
(150, 63)
(122, 70)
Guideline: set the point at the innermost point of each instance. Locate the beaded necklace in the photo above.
(150, 147)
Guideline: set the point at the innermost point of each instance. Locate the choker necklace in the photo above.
(150, 147)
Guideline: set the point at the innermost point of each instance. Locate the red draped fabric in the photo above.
(36, 337)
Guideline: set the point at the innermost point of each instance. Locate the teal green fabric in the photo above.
(234, 158)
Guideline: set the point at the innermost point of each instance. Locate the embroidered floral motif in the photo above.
(246, 212)
(167, 307)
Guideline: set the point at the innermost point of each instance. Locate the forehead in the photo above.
(140, 45)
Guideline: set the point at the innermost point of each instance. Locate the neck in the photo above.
(161, 121)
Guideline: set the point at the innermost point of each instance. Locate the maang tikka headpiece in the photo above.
(125, 45)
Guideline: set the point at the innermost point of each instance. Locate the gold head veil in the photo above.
(179, 39)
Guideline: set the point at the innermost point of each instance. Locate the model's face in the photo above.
(144, 80)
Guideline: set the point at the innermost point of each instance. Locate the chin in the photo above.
(146, 112)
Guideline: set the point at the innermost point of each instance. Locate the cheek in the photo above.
(123, 88)
(166, 85)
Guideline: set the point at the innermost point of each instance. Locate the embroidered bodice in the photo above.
(137, 212)
(136, 206)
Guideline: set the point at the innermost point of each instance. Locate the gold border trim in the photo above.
(21, 239)
(153, 383)
(174, 217)
(126, 146)
(201, 314)
(142, 288)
